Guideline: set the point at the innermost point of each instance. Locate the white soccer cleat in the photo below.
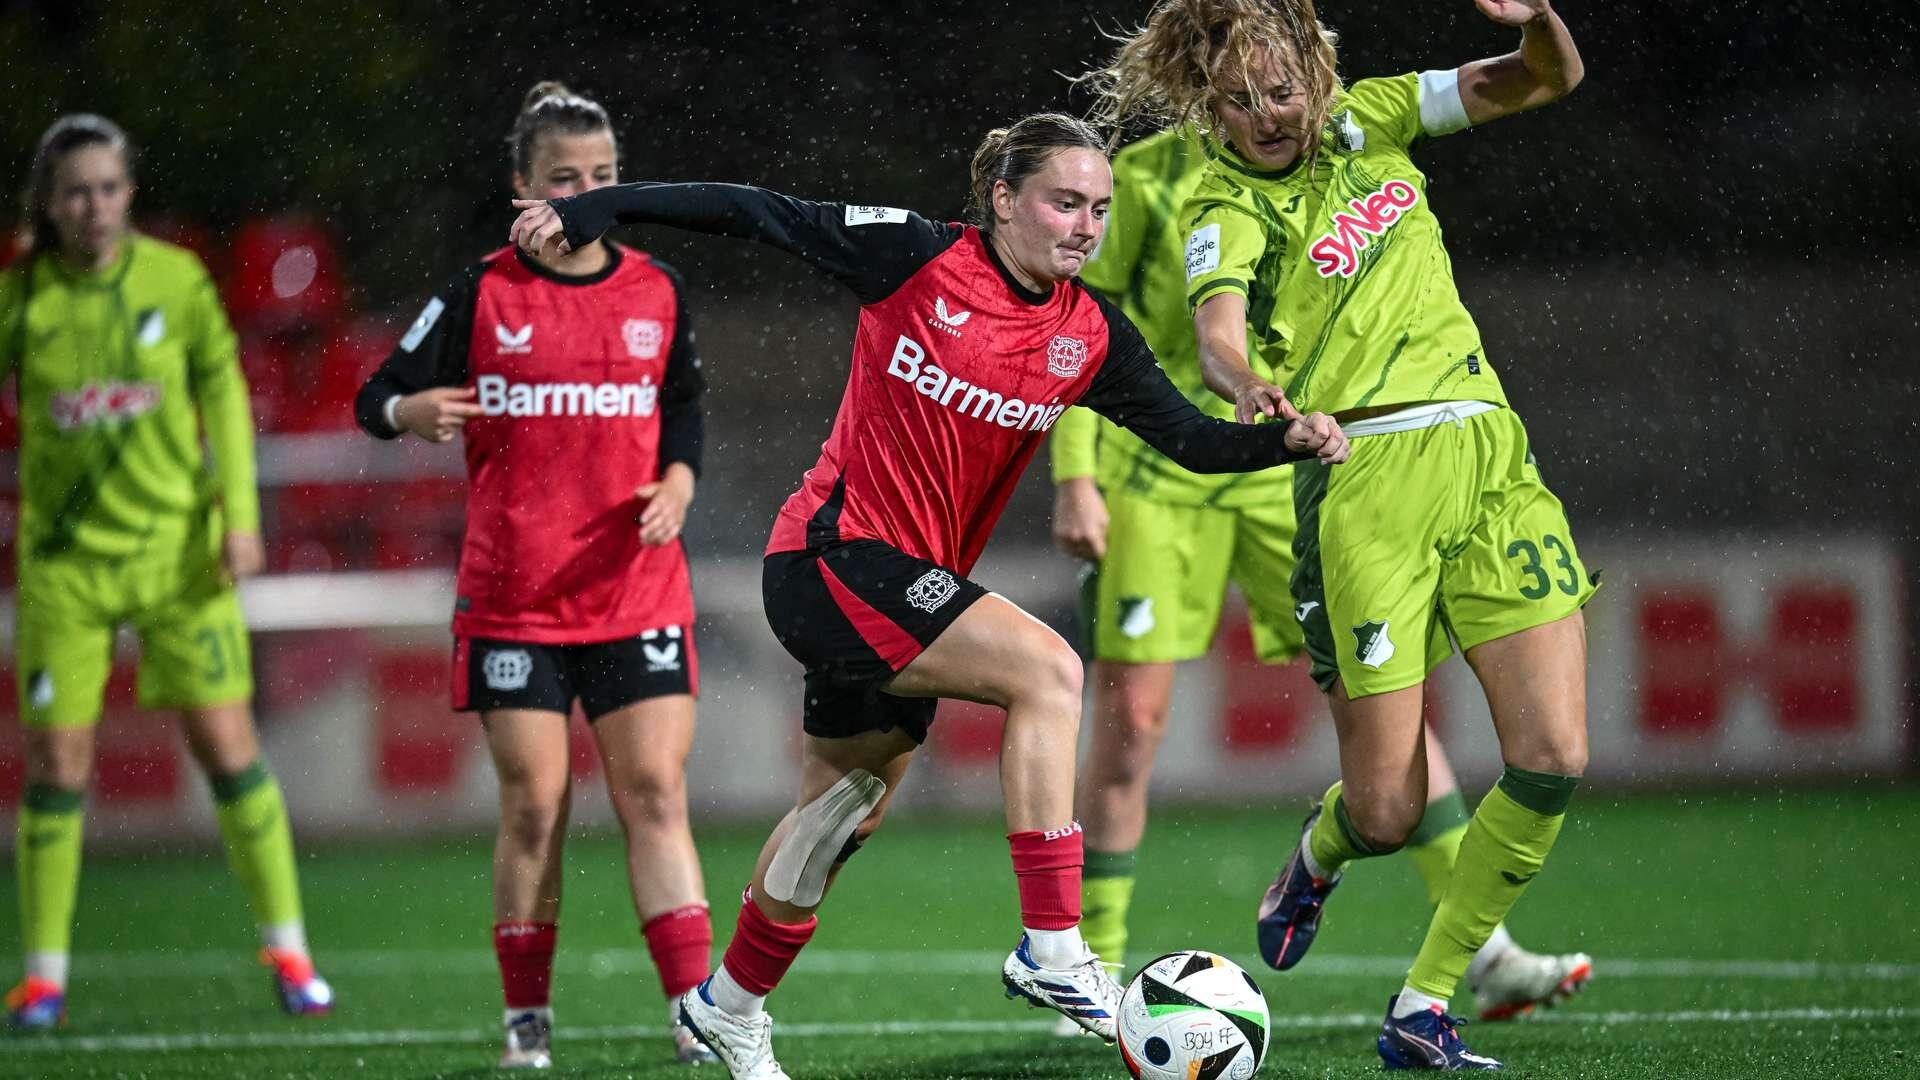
(1066, 1027)
(529, 1041)
(687, 1047)
(743, 1044)
(1084, 993)
(1516, 982)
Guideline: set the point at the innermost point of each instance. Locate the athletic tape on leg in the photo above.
(798, 873)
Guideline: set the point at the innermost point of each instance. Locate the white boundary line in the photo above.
(94, 1044)
(609, 963)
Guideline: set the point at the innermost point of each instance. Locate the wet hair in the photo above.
(1175, 65)
(72, 132)
(551, 107)
(1017, 152)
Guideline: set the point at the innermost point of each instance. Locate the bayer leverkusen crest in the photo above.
(1066, 356)
(643, 338)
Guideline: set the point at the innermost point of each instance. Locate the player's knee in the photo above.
(1055, 675)
(652, 798)
(1558, 753)
(1381, 824)
(530, 817)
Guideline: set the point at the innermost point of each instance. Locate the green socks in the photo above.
(253, 823)
(1504, 847)
(1436, 842)
(1333, 842)
(47, 864)
(1106, 892)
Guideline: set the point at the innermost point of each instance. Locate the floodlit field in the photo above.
(1735, 935)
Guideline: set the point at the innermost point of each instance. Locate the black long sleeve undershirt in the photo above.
(1131, 390)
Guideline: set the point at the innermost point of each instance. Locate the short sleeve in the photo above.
(1386, 109)
(1223, 246)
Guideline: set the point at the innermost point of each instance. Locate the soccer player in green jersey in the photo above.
(125, 361)
(1164, 543)
(1313, 255)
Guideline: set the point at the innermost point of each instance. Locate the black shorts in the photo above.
(854, 614)
(492, 674)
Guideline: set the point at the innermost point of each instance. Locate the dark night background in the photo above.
(1694, 272)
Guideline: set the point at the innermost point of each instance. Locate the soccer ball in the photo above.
(1192, 1016)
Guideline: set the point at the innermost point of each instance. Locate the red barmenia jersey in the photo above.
(958, 370)
(590, 387)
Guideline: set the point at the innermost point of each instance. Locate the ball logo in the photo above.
(1066, 356)
(643, 338)
(932, 589)
(507, 669)
(1354, 229)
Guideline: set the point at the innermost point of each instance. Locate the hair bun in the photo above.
(543, 90)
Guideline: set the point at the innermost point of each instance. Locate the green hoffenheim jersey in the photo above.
(117, 372)
(1350, 294)
(1138, 268)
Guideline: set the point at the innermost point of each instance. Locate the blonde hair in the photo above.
(550, 106)
(1170, 70)
(1017, 152)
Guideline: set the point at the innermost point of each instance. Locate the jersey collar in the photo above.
(533, 267)
(1025, 294)
(108, 278)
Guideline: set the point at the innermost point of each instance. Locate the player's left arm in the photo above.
(226, 415)
(682, 430)
(1545, 68)
(1131, 390)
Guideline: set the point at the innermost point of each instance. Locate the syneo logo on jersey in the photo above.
(1369, 216)
(102, 403)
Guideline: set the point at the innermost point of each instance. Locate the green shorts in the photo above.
(1158, 593)
(1447, 529)
(193, 640)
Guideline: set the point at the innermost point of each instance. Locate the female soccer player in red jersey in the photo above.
(573, 378)
(972, 341)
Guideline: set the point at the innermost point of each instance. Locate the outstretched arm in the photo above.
(870, 249)
(1131, 390)
(1545, 68)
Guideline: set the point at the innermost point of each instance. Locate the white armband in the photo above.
(1441, 110)
(391, 411)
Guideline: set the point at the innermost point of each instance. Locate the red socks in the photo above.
(681, 942)
(1047, 865)
(525, 952)
(762, 950)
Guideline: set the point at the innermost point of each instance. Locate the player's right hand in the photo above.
(1080, 519)
(1257, 397)
(437, 414)
(1319, 433)
(538, 226)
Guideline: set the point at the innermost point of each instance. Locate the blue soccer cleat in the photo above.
(1085, 993)
(1290, 911)
(36, 1005)
(300, 990)
(1427, 1040)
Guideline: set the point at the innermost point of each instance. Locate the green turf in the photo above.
(1671, 891)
